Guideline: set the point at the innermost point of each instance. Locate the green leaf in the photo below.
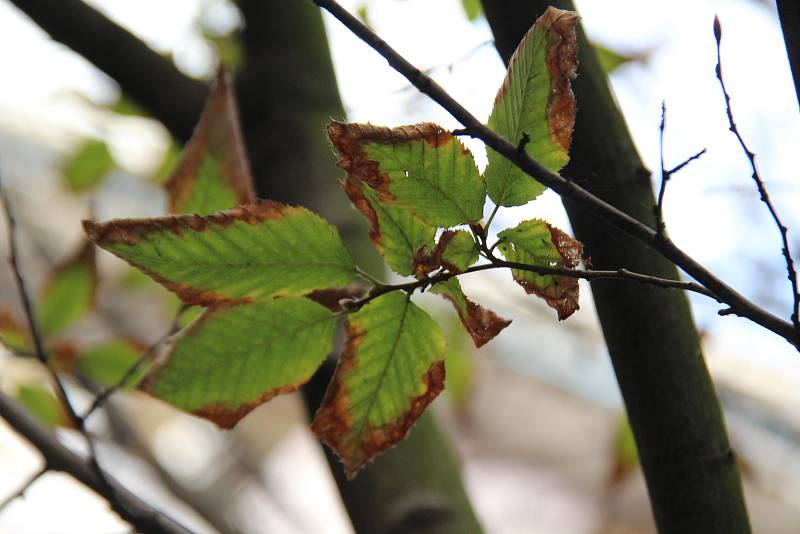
(535, 100)
(459, 365)
(472, 9)
(213, 172)
(609, 59)
(42, 404)
(238, 255)
(14, 336)
(68, 292)
(232, 359)
(397, 233)
(107, 363)
(391, 368)
(421, 168)
(536, 243)
(457, 250)
(481, 324)
(88, 165)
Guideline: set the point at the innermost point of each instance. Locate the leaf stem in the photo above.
(368, 277)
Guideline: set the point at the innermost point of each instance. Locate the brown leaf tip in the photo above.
(131, 231)
(561, 58)
(349, 140)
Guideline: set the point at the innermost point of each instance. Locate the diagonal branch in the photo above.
(148, 77)
(762, 189)
(789, 14)
(738, 304)
(59, 458)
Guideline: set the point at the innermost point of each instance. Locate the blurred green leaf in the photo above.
(169, 161)
(609, 59)
(363, 15)
(472, 9)
(88, 165)
(15, 337)
(42, 404)
(107, 363)
(125, 106)
(458, 364)
(69, 291)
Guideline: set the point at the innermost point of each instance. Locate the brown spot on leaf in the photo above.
(482, 325)
(333, 423)
(131, 231)
(225, 417)
(349, 140)
(217, 134)
(423, 262)
(561, 58)
(352, 188)
(563, 294)
(333, 297)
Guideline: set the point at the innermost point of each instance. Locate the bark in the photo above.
(690, 469)
(789, 14)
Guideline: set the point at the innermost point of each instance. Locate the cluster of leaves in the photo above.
(274, 279)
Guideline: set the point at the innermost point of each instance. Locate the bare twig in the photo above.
(658, 209)
(566, 188)
(497, 263)
(762, 189)
(106, 488)
(59, 458)
(23, 488)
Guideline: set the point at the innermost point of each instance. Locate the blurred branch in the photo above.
(789, 14)
(59, 458)
(762, 189)
(148, 77)
(568, 189)
(23, 488)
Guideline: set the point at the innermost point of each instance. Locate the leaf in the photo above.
(482, 325)
(237, 255)
(69, 291)
(213, 172)
(43, 405)
(391, 368)
(535, 242)
(420, 167)
(397, 233)
(88, 165)
(455, 251)
(610, 59)
(107, 363)
(232, 359)
(472, 9)
(13, 335)
(535, 100)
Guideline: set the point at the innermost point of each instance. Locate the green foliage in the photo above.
(231, 359)
(107, 363)
(68, 292)
(391, 368)
(273, 279)
(42, 404)
(536, 101)
(472, 9)
(88, 165)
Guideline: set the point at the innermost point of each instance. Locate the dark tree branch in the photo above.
(762, 189)
(567, 189)
(148, 77)
(59, 458)
(789, 14)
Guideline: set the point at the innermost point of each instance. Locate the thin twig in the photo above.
(685, 162)
(39, 348)
(24, 487)
(566, 188)
(59, 458)
(586, 274)
(762, 189)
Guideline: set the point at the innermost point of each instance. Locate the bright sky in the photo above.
(711, 209)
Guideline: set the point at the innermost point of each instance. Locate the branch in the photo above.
(23, 488)
(789, 14)
(148, 77)
(762, 189)
(59, 458)
(567, 189)
(497, 263)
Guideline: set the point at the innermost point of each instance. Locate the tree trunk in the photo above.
(691, 472)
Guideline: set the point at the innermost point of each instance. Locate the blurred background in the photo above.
(536, 415)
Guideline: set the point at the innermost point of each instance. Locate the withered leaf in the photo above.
(481, 324)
